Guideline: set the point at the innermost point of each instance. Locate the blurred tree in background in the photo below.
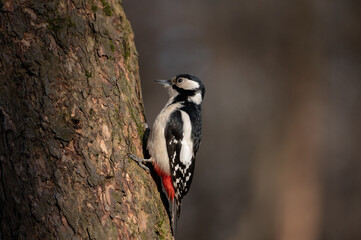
(281, 153)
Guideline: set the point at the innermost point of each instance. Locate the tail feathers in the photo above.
(174, 215)
(173, 201)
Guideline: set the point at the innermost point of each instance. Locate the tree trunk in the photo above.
(70, 110)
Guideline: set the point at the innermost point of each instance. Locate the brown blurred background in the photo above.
(281, 150)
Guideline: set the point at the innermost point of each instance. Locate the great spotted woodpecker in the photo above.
(175, 138)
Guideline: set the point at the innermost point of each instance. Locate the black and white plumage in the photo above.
(175, 138)
(179, 124)
(183, 134)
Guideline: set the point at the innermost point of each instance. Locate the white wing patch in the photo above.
(174, 155)
(188, 177)
(186, 153)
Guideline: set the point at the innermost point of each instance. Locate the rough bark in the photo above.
(70, 110)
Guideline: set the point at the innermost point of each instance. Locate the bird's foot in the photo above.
(140, 161)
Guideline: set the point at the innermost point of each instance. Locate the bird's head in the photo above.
(185, 87)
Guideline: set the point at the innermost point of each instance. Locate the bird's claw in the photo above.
(140, 161)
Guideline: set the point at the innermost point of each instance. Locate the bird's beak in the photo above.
(165, 82)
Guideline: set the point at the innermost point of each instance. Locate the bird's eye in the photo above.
(179, 80)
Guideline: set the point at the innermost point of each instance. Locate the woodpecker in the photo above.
(174, 139)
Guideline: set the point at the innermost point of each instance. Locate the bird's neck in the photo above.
(195, 100)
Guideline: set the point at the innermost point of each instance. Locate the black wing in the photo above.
(181, 174)
(173, 135)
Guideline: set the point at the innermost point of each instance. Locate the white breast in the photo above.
(156, 144)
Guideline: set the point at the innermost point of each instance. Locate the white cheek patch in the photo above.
(189, 84)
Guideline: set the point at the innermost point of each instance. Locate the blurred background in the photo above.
(281, 150)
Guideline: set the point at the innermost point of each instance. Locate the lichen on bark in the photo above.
(70, 110)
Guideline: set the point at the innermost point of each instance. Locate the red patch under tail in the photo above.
(167, 182)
